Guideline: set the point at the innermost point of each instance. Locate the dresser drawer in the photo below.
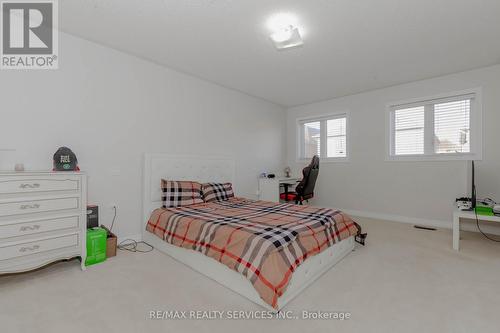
(38, 226)
(14, 185)
(19, 207)
(38, 246)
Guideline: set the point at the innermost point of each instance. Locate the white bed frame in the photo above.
(220, 169)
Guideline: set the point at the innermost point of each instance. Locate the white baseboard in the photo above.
(491, 229)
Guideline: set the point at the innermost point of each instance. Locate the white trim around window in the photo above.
(322, 121)
(423, 118)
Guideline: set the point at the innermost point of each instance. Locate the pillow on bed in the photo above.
(180, 193)
(217, 191)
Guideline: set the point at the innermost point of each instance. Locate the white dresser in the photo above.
(42, 219)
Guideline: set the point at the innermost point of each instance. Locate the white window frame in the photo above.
(476, 128)
(323, 134)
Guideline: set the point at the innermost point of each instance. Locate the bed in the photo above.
(264, 251)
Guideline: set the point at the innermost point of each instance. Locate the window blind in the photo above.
(432, 127)
(325, 136)
(452, 127)
(336, 137)
(312, 139)
(409, 131)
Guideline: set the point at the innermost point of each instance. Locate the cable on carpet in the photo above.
(134, 246)
(130, 244)
(484, 201)
(485, 235)
(114, 218)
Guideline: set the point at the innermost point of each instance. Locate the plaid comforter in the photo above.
(262, 240)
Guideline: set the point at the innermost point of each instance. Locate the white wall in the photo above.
(406, 190)
(110, 108)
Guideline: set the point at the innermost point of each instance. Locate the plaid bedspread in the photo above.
(262, 240)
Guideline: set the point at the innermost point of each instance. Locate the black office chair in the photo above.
(305, 188)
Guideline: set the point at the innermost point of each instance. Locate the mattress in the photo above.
(263, 241)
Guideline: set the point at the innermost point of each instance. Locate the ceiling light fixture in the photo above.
(284, 31)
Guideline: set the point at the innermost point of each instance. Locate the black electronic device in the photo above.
(92, 216)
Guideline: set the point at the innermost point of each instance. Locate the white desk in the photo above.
(269, 188)
(460, 214)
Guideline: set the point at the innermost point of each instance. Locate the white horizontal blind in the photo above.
(336, 132)
(311, 139)
(323, 136)
(433, 127)
(409, 131)
(452, 127)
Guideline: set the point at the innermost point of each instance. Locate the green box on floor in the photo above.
(96, 246)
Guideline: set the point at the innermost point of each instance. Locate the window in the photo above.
(323, 136)
(312, 142)
(452, 127)
(336, 137)
(436, 129)
(409, 131)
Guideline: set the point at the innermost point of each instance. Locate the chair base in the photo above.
(287, 197)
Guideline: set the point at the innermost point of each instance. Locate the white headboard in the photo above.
(202, 169)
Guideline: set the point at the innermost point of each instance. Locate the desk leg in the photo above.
(456, 233)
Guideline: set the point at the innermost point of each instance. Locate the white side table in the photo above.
(460, 214)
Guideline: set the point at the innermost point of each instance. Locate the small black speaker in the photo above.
(92, 217)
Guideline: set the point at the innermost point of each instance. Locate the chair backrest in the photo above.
(310, 174)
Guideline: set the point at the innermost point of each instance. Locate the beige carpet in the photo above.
(404, 280)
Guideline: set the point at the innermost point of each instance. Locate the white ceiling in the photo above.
(350, 45)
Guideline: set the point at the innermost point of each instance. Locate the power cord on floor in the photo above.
(133, 246)
(479, 228)
(130, 244)
(114, 218)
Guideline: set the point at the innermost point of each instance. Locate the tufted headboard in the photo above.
(202, 169)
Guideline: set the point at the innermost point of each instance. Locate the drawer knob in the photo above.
(34, 206)
(29, 249)
(34, 185)
(29, 227)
